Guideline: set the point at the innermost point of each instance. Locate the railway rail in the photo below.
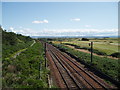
(71, 72)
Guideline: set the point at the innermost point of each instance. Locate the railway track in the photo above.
(72, 74)
(68, 79)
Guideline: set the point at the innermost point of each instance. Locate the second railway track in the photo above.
(72, 74)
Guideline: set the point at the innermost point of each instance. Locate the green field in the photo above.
(107, 45)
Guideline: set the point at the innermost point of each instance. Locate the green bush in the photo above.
(98, 52)
(117, 55)
(85, 39)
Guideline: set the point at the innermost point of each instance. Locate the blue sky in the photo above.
(61, 18)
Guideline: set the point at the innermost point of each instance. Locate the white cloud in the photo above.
(87, 25)
(11, 29)
(37, 22)
(45, 21)
(66, 32)
(75, 19)
(2, 27)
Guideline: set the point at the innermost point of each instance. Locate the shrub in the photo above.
(99, 52)
(110, 42)
(78, 47)
(117, 55)
(85, 39)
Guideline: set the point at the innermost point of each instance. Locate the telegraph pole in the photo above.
(39, 71)
(91, 52)
(45, 55)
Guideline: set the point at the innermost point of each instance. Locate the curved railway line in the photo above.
(69, 72)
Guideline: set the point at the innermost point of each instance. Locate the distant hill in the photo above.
(74, 36)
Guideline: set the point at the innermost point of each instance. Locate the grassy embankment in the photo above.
(26, 70)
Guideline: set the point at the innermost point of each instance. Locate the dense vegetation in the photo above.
(12, 43)
(27, 70)
(104, 64)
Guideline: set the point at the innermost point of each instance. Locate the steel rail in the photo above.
(68, 65)
(81, 68)
(85, 72)
(66, 82)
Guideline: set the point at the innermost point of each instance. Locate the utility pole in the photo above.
(91, 44)
(91, 52)
(45, 55)
(40, 68)
(39, 71)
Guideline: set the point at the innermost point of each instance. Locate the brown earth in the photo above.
(86, 51)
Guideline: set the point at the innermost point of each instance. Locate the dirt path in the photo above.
(18, 53)
(86, 51)
(33, 43)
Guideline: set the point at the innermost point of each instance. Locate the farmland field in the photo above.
(106, 45)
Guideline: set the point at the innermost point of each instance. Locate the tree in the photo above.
(85, 39)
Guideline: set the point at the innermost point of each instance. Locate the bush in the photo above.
(117, 55)
(78, 47)
(70, 44)
(85, 39)
(110, 42)
(99, 52)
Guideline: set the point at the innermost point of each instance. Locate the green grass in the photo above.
(101, 45)
(107, 48)
(23, 71)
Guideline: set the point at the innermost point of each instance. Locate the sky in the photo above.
(61, 18)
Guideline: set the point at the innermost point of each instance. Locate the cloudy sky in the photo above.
(61, 18)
